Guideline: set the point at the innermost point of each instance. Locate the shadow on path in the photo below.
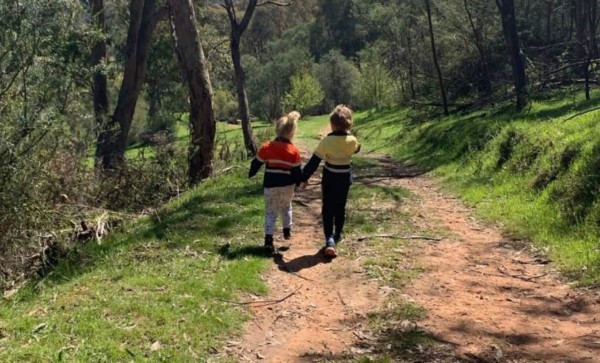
(300, 263)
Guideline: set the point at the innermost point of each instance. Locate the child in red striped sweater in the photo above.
(282, 174)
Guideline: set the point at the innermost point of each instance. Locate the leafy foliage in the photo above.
(306, 93)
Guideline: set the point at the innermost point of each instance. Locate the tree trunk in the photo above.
(193, 62)
(100, 83)
(549, 11)
(240, 84)
(411, 72)
(143, 20)
(509, 27)
(580, 29)
(237, 29)
(435, 60)
(485, 88)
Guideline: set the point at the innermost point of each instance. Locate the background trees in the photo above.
(104, 79)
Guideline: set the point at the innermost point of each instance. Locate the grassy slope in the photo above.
(534, 172)
(149, 292)
(159, 282)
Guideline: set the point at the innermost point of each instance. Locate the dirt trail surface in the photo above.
(494, 299)
(488, 299)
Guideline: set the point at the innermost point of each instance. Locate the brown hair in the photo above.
(341, 118)
(287, 125)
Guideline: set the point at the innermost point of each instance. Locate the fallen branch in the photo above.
(263, 302)
(341, 299)
(435, 239)
(583, 113)
(503, 270)
(223, 171)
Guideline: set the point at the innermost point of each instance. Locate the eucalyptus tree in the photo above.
(100, 80)
(509, 27)
(143, 18)
(238, 27)
(435, 59)
(193, 62)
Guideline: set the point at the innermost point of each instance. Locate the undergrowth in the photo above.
(90, 307)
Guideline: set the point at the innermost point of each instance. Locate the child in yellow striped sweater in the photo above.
(337, 150)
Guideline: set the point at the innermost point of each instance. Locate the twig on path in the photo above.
(341, 299)
(503, 270)
(223, 171)
(593, 334)
(537, 261)
(258, 325)
(263, 302)
(425, 238)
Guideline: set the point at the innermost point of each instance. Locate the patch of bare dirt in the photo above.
(488, 299)
(494, 299)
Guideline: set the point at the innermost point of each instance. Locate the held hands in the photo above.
(303, 185)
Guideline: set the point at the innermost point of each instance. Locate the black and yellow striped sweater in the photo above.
(336, 149)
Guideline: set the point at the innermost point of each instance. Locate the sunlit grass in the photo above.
(533, 172)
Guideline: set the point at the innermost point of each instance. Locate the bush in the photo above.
(375, 87)
(225, 105)
(306, 93)
(337, 77)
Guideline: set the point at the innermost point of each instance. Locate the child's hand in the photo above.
(303, 185)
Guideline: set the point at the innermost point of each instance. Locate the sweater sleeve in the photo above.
(297, 168)
(254, 167)
(310, 167)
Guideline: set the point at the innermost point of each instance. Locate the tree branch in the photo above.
(276, 3)
(247, 16)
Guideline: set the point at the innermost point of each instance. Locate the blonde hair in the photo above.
(341, 117)
(286, 125)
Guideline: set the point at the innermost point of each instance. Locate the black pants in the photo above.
(335, 194)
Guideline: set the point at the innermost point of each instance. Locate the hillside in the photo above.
(534, 173)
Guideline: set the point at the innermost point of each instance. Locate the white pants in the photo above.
(278, 201)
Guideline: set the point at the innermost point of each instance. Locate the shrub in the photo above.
(306, 93)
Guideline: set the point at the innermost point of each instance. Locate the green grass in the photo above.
(151, 292)
(534, 172)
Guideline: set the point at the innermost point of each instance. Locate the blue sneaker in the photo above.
(330, 248)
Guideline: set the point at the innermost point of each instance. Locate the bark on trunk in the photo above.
(485, 87)
(411, 73)
(193, 62)
(237, 29)
(509, 27)
(435, 60)
(580, 29)
(100, 83)
(240, 84)
(549, 11)
(143, 20)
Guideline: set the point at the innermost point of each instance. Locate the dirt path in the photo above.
(495, 299)
(488, 299)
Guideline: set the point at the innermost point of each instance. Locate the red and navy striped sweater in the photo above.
(283, 164)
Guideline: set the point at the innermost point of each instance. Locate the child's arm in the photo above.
(310, 167)
(254, 167)
(297, 169)
(258, 161)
